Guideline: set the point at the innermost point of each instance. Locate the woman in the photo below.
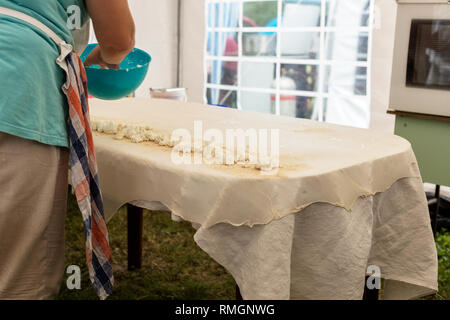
(33, 135)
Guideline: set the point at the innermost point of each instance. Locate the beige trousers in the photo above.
(33, 200)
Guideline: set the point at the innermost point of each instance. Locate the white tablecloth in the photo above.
(323, 251)
(343, 199)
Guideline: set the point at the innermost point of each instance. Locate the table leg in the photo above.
(370, 294)
(238, 294)
(437, 195)
(135, 226)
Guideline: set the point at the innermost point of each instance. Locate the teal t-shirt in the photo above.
(32, 104)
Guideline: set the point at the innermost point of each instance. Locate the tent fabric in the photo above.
(225, 15)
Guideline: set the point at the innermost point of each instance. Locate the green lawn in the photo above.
(173, 266)
(443, 249)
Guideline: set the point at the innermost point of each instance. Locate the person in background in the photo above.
(34, 144)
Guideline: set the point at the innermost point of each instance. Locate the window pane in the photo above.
(306, 107)
(223, 44)
(301, 45)
(260, 14)
(223, 14)
(345, 79)
(226, 98)
(222, 72)
(301, 13)
(346, 46)
(296, 106)
(259, 44)
(255, 101)
(302, 77)
(360, 81)
(347, 13)
(258, 74)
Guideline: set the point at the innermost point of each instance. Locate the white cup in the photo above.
(178, 94)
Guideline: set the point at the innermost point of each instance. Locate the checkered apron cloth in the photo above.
(83, 165)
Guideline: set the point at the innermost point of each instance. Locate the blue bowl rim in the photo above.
(93, 45)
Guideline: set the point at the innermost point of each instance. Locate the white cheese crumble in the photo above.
(138, 134)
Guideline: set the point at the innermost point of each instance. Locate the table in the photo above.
(342, 199)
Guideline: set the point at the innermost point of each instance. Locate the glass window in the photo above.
(257, 74)
(260, 14)
(225, 98)
(300, 58)
(256, 101)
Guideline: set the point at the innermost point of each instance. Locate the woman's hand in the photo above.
(95, 58)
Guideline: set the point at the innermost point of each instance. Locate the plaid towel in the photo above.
(83, 167)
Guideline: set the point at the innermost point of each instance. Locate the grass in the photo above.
(443, 250)
(173, 266)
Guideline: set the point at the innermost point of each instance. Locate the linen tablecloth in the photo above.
(342, 199)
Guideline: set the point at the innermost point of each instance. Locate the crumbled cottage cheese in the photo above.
(133, 132)
(138, 134)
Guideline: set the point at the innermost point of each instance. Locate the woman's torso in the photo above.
(32, 104)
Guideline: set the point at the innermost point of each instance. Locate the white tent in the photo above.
(181, 64)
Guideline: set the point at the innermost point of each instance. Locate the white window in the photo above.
(300, 58)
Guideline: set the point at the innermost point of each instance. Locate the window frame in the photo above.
(279, 60)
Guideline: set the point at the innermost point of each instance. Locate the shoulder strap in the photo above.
(64, 48)
(24, 17)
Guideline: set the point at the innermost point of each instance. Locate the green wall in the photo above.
(430, 140)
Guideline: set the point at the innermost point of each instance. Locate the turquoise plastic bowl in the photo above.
(112, 84)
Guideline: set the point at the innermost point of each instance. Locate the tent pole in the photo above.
(179, 45)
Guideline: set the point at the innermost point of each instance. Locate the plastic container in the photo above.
(113, 84)
(288, 103)
(178, 94)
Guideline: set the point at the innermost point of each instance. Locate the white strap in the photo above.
(64, 47)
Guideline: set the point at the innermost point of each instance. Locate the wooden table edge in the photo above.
(419, 115)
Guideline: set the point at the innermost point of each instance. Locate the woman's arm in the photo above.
(114, 29)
